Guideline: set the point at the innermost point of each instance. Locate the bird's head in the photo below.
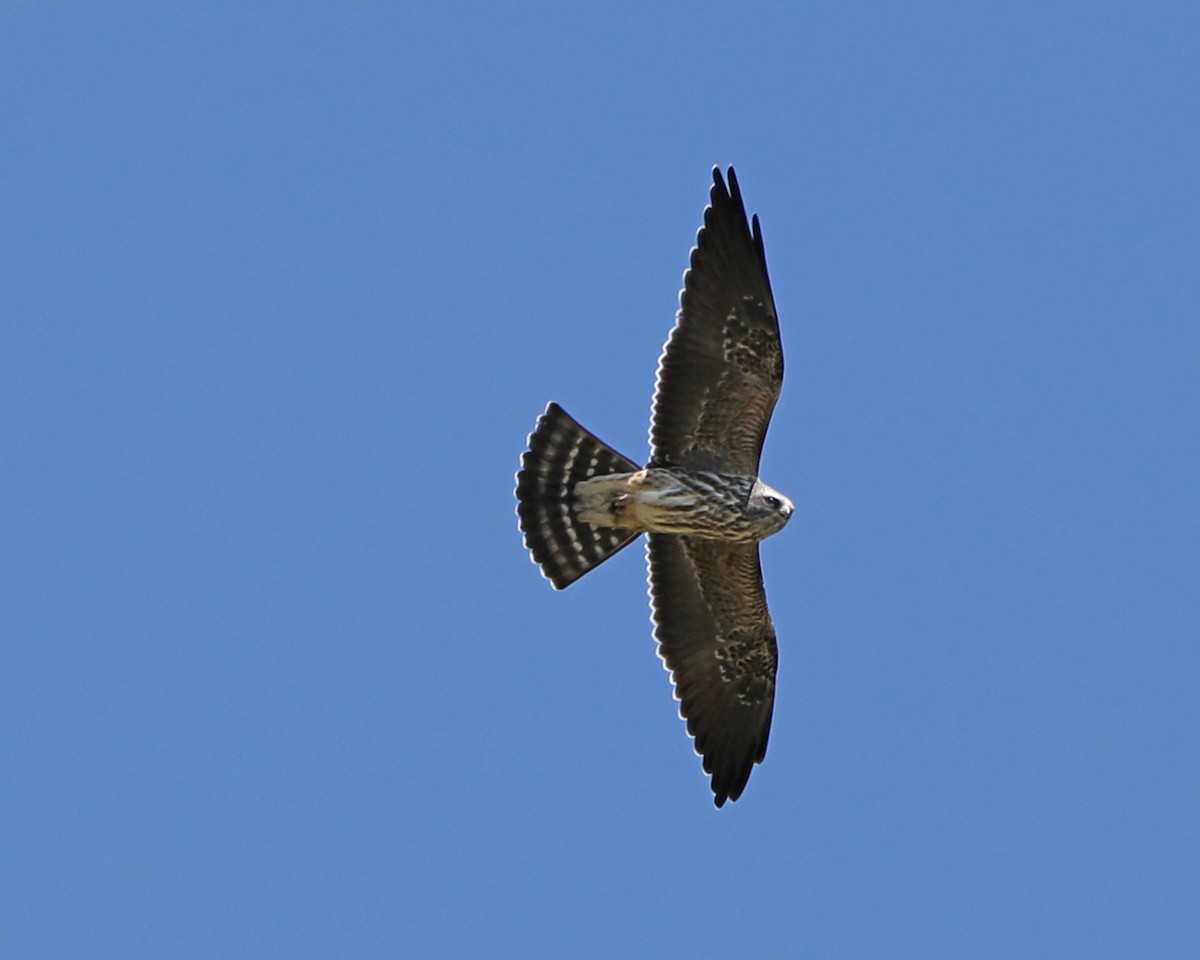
(769, 509)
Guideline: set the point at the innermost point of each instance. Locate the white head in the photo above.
(768, 509)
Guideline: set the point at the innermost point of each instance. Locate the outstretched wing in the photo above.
(722, 366)
(715, 636)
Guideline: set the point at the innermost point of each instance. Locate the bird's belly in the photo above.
(657, 500)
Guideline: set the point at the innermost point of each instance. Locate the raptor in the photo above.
(698, 499)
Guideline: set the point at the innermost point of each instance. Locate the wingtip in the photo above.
(730, 178)
(729, 793)
(726, 190)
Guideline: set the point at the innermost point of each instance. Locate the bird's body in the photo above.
(696, 503)
(699, 500)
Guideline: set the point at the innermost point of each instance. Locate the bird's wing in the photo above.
(715, 636)
(722, 366)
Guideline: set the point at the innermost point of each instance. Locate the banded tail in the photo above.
(562, 453)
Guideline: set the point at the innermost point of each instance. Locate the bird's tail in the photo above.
(562, 453)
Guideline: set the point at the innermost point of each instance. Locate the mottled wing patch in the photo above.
(737, 407)
(722, 366)
(716, 638)
(562, 453)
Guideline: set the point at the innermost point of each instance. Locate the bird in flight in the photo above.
(699, 499)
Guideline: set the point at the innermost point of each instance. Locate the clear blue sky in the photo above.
(284, 287)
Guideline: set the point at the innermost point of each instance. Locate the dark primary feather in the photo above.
(716, 638)
(561, 453)
(722, 366)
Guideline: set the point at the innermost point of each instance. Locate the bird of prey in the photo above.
(698, 499)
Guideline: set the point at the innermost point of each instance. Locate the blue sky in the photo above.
(285, 287)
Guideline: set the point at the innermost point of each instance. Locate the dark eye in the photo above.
(771, 501)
